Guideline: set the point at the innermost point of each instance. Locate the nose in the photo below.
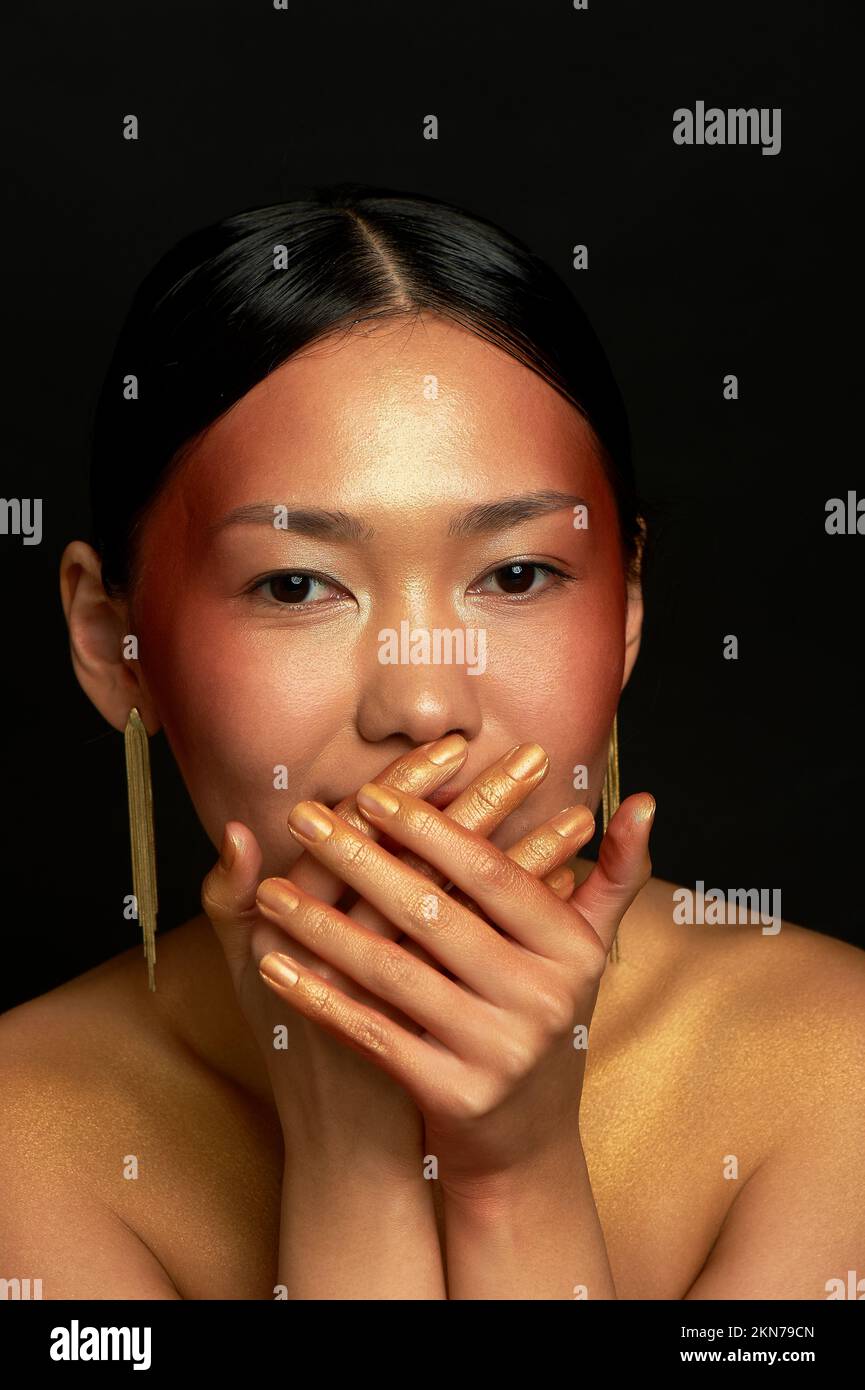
(417, 684)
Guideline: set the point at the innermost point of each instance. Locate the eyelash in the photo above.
(558, 577)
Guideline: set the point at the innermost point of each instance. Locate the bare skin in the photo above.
(690, 1060)
(706, 1042)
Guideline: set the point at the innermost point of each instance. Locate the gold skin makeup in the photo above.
(299, 705)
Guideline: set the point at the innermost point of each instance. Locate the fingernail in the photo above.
(559, 879)
(310, 819)
(645, 811)
(447, 750)
(228, 851)
(276, 895)
(377, 800)
(279, 969)
(570, 820)
(528, 759)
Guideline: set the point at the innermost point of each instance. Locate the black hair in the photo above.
(231, 302)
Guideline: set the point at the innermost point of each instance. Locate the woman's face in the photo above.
(407, 468)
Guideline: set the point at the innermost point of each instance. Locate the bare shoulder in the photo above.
(79, 1068)
(756, 1036)
(96, 1026)
(103, 1050)
(84, 1062)
(746, 943)
(784, 1004)
(113, 1114)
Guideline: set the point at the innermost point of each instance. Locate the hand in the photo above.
(349, 1092)
(494, 1072)
(316, 1085)
(481, 807)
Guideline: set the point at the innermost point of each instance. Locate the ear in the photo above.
(634, 613)
(98, 640)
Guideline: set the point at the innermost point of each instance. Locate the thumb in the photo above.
(228, 893)
(623, 868)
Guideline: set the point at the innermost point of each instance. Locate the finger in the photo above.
(228, 892)
(483, 805)
(512, 899)
(228, 899)
(491, 797)
(421, 1067)
(542, 850)
(623, 868)
(462, 942)
(548, 846)
(495, 793)
(561, 882)
(417, 772)
(455, 938)
(383, 968)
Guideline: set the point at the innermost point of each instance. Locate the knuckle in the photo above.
(423, 822)
(468, 1103)
(494, 871)
(537, 855)
(209, 897)
(430, 907)
(554, 1010)
(492, 1093)
(488, 796)
(368, 1033)
(318, 926)
(390, 965)
(318, 997)
(208, 904)
(355, 851)
(516, 1057)
(617, 882)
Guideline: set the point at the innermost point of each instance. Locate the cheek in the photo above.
(246, 714)
(560, 686)
(562, 674)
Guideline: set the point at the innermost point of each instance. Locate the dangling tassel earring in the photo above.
(141, 835)
(610, 799)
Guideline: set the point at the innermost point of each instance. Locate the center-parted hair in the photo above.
(227, 305)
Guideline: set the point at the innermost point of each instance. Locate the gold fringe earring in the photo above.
(141, 835)
(610, 799)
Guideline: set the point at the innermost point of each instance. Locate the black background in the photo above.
(702, 261)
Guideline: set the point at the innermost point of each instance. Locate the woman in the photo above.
(364, 519)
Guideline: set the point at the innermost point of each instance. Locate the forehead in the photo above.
(417, 408)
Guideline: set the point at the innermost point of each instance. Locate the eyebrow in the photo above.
(481, 519)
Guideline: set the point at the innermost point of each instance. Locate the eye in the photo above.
(517, 578)
(294, 588)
